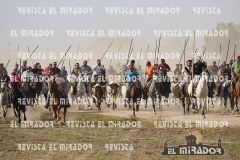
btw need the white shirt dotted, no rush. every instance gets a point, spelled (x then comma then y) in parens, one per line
(134, 67)
(58, 79)
(186, 74)
(97, 69)
(27, 75)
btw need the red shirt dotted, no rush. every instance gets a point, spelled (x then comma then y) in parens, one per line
(47, 69)
(161, 66)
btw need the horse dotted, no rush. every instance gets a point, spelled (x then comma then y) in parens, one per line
(163, 85)
(185, 97)
(29, 93)
(153, 90)
(201, 92)
(3, 98)
(112, 94)
(56, 100)
(38, 87)
(16, 99)
(80, 90)
(235, 94)
(135, 96)
(123, 93)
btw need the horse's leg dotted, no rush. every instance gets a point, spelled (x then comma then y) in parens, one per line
(5, 110)
(58, 112)
(133, 110)
(146, 103)
(19, 115)
(188, 104)
(24, 111)
(203, 109)
(183, 102)
(236, 101)
(64, 114)
(153, 104)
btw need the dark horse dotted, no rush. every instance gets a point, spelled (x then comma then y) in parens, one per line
(28, 86)
(16, 98)
(39, 88)
(135, 96)
(56, 100)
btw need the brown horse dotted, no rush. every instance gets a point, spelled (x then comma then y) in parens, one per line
(186, 98)
(56, 100)
(135, 96)
(235, 94)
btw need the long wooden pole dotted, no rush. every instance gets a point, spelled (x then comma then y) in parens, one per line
(129, 52)
(17, 55)
(31, 55)
(183, 50)
(227, 50)
(32, 52)
(146, 66)
(220, 55)
(76, 55)
(155, 52)
(107, 49)
(140, 56)
(64, 56)
(233, 56)
(158, 47)
(118, 53)
(193, 60)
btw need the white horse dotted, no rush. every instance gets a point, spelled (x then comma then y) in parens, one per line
(81, 95)
(201, 93)
(3, 98)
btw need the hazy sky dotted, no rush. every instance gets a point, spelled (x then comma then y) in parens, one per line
(11, 19)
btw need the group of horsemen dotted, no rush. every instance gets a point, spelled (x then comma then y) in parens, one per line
(127, 72)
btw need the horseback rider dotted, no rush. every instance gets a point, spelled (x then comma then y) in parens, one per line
(88, 70)
(198, 68)
(132, 63)
(17, 70)
(28, 76)
(24, 66)
(76, 71)
(221, 80)
(186, 74)
(5, 78)
(149, 72)
(227, 72)
(235, 71)
(15, 78)
(163, 68)
(210, 82)
(54, 69)
(129, 76)
(2, 68)
(97, 69)
(60, 81)
(122, 71)
(177, 71)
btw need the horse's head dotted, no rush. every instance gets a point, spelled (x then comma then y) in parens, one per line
(3, 87)
(136, 84)
(52, 85)
(205, 75)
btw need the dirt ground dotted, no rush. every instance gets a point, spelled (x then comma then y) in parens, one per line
(145, 139)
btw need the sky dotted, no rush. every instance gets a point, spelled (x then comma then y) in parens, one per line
(11, 19)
